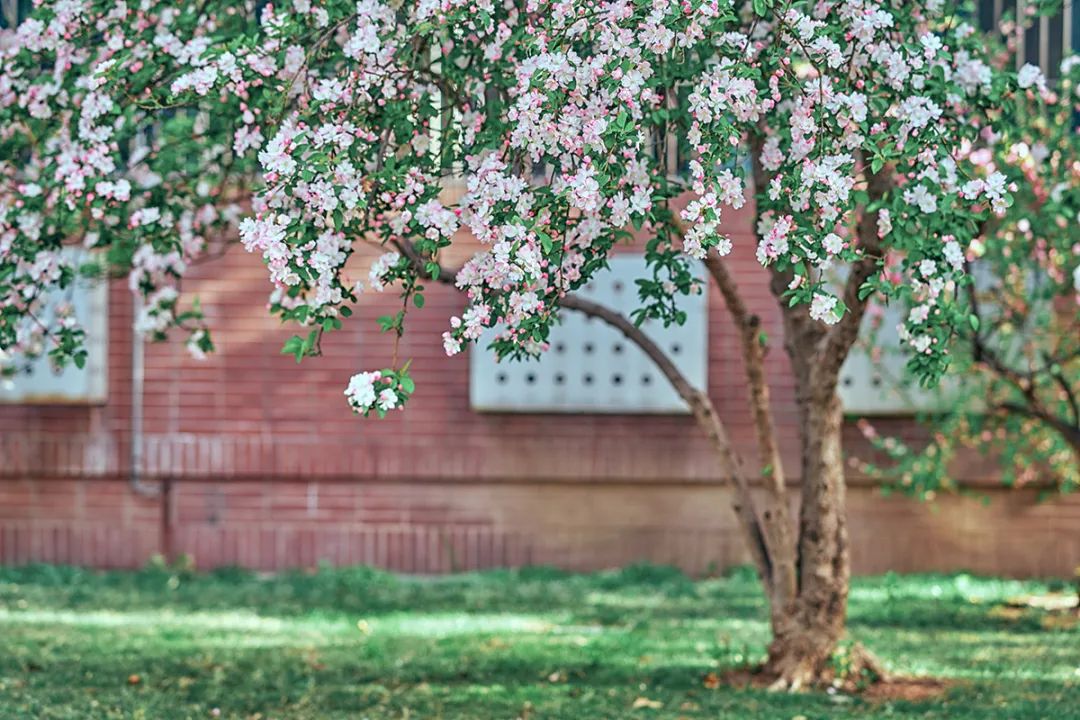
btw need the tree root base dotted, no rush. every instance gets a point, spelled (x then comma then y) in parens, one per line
(912, 689)
(850, 669)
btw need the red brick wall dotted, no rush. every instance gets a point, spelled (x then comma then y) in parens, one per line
(442, 526)
(270, 469)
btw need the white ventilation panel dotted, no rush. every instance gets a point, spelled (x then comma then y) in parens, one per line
(869, 387)
(42, 386)
(591, 367)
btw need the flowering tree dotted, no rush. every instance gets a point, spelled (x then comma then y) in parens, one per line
(1014, 387)
(147, 131)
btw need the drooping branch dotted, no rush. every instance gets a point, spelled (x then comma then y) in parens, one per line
(775, 516)
(704, 411)
(633, 333)
(767, 539)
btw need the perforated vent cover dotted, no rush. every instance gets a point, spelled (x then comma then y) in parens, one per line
(591, 367)
(877, 388)
(42, 386)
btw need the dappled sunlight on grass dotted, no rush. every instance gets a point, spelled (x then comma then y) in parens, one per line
(360, 643)
(937, 587)
(1028, 655)
(237, 621)
(448, 624)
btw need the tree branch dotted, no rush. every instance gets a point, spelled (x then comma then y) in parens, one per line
(802, 334)
(1070, 432)
(749, 327)
(775, 517)
(705, 413)
(777, 525)
(419, 262)
(1070, 396)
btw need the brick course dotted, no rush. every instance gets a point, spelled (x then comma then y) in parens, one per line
(269, 469)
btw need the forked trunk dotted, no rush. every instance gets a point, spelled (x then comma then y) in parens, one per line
(805, 577)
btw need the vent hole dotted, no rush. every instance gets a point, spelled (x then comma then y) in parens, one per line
(530, 378)
(676, 349)
(588, 348)
(617, 349)
(849, 381)
(560, 378)
(616, 379)
(646, 379)
(588, 379)
(501, 378)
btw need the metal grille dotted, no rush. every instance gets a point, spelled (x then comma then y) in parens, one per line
(1047, 39)
(591, 367)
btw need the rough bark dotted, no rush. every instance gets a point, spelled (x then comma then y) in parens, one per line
(782, 583)
(804, 641)
(806, 583)
(805, 638)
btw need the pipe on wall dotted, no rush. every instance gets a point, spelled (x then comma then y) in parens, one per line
(138, 380)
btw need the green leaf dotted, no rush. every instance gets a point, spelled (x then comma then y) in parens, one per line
(418, 300)
(294, 346)
(973, 320)
(407, 384)
(761, 7)
(291, 345)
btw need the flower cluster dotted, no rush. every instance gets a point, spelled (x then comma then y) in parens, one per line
(380, 391)
(1017, 361)
(149, 131)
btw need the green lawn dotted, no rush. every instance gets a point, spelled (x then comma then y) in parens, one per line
(535, 643)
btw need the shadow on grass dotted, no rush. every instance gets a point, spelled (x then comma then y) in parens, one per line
(337, 642)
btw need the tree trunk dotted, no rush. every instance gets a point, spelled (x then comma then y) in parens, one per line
(805, 637)
(805, 578)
